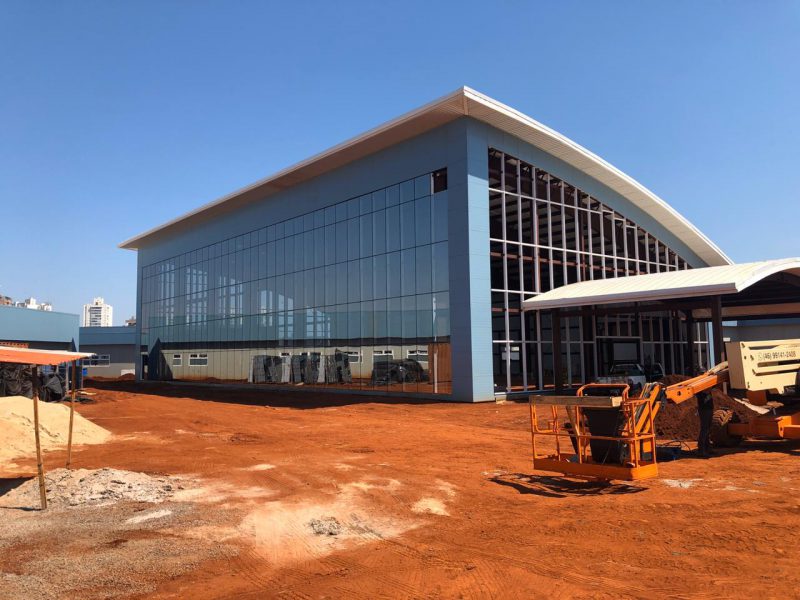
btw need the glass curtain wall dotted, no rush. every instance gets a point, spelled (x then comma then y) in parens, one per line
(545, 233)
(354, 295)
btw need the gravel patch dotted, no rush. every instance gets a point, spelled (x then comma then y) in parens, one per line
(80, 487)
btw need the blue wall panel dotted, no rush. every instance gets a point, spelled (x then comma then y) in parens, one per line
(24, 324)
(98, 336)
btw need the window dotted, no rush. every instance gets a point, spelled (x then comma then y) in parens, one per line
(198, 360)
(439, 180)
(177, 360)
(355, 357)
(418, 354)
(382, 355)
(98, 360)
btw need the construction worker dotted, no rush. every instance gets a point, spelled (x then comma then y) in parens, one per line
(705, 410)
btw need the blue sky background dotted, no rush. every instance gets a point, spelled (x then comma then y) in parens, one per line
(115, 117)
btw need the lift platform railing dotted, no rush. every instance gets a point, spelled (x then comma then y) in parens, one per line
(605, 437)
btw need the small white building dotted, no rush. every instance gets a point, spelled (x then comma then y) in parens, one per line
(97, 314)
(32, 304)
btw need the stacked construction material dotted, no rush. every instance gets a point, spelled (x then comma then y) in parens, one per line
(15, 380)
(301, 368)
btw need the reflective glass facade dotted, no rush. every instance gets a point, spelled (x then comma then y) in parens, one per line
(545, 233)
(355, 295)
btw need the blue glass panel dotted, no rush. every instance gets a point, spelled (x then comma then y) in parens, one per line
(407, 225)
(407, 190)
(341, 212)
(280, 263)
(440, 261)
(365, 236)
(379, 232)
(394, 317)
(341, 283)
(353, 239)
(365, 204)
(353, 281)
(309, 249)
(379, 199)
(425, 316)
(341, 241)
(407, 271)
(392, 195)
(422, 217)
(330, 244)
(353, 208)
(381, 324)
(379, 276)
(319, 247)
(366, 279)
(439, 225)
(330, 285)
(392, 229)
(330, 215)
(423, 269)
(393, 274)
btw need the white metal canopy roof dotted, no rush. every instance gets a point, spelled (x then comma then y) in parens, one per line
(463, 102)
(706, 281)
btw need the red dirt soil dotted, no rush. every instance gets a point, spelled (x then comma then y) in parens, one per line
(707, 528)
(127, 377)
(681, 421)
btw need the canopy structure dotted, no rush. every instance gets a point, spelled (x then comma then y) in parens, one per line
(769, 288)
(658, 287)
(31, 356)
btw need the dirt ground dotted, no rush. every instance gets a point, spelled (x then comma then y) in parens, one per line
(334, 496)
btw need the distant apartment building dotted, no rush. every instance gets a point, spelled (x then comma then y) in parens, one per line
(131, 322)
(32, 304)
(6, 301)
(97, 314)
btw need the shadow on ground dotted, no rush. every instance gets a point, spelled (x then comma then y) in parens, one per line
(790, 447)
(562, 487)
(8, 484)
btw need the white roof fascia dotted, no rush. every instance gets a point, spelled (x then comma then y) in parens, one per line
(465, 102)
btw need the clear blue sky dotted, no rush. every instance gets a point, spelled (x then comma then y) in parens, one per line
(115, 117)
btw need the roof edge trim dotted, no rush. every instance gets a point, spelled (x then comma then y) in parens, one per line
(450, 107)
(129, 243)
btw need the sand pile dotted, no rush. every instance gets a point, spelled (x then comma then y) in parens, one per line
(67, 487)
(681, 421)
(16, 428)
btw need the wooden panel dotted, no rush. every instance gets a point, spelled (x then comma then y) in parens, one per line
(440, 365)
(592, 401)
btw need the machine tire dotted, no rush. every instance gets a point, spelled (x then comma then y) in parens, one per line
(719, 429)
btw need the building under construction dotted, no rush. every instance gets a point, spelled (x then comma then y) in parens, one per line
(399, 260)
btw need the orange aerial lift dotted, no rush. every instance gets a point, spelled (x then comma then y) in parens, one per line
(606, 432)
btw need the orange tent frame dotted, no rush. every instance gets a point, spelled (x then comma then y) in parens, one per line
(37, 358)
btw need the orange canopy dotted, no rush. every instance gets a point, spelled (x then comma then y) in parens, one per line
(31, 356)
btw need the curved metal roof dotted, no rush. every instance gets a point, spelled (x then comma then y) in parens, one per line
(705, 281)
(462, 102)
